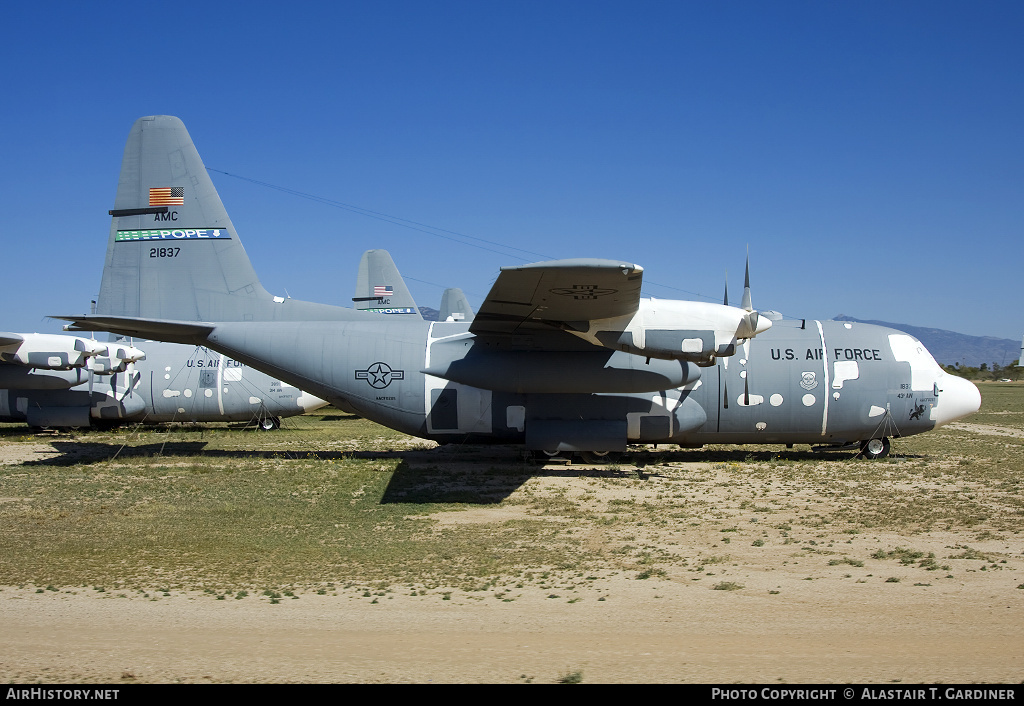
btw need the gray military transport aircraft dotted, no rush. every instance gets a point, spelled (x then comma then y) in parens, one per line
(49, 380)
(562, 356)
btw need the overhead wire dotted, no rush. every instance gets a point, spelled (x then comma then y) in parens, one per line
(426, 229)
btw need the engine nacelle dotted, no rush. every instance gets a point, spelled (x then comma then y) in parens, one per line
(48, 351)
(679, 330)
(18, 377)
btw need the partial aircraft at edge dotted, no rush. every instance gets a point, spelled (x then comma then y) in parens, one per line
(51, 380)
(562, 356)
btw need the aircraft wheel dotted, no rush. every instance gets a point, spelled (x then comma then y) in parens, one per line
(544, 456)
(599, 457)
(875, 448)
(269, 423)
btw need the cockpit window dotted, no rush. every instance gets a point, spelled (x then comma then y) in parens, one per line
(923, 367)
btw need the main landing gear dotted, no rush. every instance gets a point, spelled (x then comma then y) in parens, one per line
(591, 457)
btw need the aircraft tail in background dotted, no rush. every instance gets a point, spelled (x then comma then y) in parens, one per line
(455, 306)
(380, 287)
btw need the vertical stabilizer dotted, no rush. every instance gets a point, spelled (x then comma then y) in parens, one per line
(173, 252)
(455, 306)
(380, 287)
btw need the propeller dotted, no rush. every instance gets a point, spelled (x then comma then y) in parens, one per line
(753, 323)
(92, 374)
(749, 326)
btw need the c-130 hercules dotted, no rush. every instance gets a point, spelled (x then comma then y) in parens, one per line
(562, 356)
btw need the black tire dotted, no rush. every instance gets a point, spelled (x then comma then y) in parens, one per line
(875, 448)
(546, 456)
(600, 457)
(269, 423)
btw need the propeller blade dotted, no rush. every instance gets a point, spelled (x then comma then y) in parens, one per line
(753, 323)
(747, 305)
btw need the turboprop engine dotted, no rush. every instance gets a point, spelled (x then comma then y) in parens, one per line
(48, 351)
(672, 329)
(43, 361)
(682, 330)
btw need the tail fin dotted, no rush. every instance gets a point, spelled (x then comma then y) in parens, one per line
(381, 289)
(173, 252)
(455, 306)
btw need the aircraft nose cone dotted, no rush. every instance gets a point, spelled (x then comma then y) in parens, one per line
(958, 398)
(308, 402)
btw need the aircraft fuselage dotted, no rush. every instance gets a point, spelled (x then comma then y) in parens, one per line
(813, 382)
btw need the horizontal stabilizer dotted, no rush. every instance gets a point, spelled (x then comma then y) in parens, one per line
(8, 339)
(157, 329)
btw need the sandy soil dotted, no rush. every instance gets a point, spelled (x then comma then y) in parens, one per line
(796, 619)
(643, 632)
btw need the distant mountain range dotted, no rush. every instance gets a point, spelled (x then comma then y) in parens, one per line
(949, 347)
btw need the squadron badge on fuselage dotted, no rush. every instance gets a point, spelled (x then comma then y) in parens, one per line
(808, 380)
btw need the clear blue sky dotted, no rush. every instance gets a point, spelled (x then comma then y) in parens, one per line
(870, 154)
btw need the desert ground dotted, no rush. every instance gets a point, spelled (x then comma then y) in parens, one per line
(334, 550)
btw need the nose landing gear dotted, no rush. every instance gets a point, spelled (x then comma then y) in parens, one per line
(269, 423)
(874, 448)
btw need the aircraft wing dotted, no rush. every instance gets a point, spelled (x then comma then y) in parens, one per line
(560, 294)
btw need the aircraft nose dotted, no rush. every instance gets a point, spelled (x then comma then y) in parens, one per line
(958, 398)
(309, 402)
